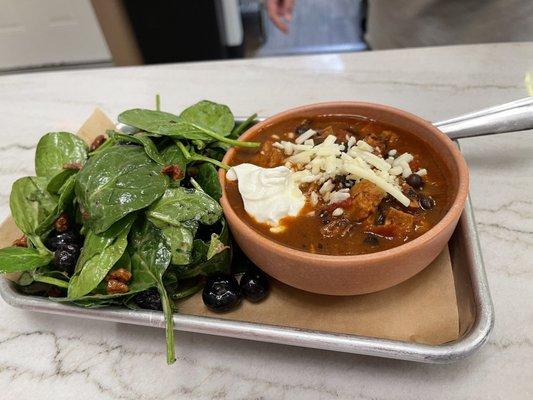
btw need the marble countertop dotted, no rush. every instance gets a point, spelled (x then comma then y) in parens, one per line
(50, 357)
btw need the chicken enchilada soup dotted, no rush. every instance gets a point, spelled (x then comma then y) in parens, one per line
(338, 185)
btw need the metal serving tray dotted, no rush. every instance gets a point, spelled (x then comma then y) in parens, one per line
(476, 314)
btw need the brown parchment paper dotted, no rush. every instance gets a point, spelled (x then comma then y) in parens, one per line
(423, 309)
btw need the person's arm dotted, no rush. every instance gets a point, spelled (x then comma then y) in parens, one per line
(280, 13)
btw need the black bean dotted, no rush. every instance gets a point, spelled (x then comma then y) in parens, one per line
(371, 239)
(343, 182)
(426, 202)
(325, 217)
(303, 127)
(415, 181)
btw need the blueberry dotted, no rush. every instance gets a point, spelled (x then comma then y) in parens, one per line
(56, 240)
(221, 293)
(254, 285)
(65, 258)
(415, 181)
(149, 299)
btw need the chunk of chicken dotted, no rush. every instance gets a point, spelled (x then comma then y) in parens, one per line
(383, 140)
(402, 220)
(366, 197)
(269, 156)
(397, 224)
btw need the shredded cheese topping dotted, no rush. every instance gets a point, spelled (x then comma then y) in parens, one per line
(356, 160)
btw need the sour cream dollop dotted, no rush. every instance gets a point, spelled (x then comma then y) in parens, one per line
(268, 194)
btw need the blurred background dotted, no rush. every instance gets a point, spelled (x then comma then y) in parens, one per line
(61, 34)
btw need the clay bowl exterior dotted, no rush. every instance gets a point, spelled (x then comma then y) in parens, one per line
(357, 274)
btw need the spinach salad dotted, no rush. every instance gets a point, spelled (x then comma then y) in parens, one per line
(132, 220)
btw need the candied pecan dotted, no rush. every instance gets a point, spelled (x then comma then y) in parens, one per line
(114, 287)
(120, 274)
(75, 165)
(97, 142)
(173, 170)
(54, 291)
(61, 224)
(21, 242)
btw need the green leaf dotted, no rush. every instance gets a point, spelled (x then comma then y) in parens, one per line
(148, 120)
(180, 204)
(172, 155)
(208, 259)
(116, 182)
(137, 284)
(210, 116)
(66, 196)
(140, 138)
(166, 124)
(55, 149)
(59, 180)
(30, 203)
(100, 252)
(208, 179)
(150, 257)
(216, 246)
(15, 259)
(180, 240)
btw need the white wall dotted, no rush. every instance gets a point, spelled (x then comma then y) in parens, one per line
(48, 32)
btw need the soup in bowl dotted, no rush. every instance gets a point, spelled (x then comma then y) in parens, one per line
(344, 198)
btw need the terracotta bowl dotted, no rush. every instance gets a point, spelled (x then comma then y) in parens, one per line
(358, 274)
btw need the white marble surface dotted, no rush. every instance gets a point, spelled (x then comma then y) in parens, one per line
(49, 357)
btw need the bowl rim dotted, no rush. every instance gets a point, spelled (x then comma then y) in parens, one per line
(451, 216)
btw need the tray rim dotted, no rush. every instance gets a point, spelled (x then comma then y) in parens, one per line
(355, 344)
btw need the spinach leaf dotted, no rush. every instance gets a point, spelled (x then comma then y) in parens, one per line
(59, 179)
(208, 259)
(220, 263)
(55, 149)
(31, 204)
(172, 155)
(15, 259)
(116, 182)
(66, 196)
(208, 179)
(140, 138)
(50, 280)
(100, 252)
(150, 257)
(180, 239)
(216, 246)
(166, 124)
(210, 116)
(44, 274)
(181, 204)
(148, 120)
(137, 284)
(191, 156)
